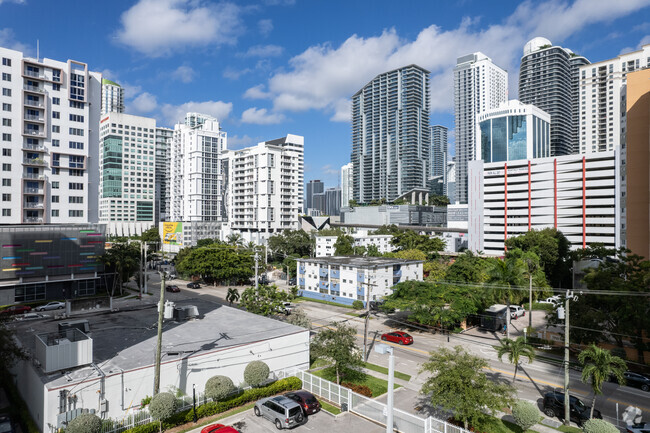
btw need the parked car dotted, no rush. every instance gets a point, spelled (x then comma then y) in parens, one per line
(642, 427)
(292, 281)
(193, 286)
(380, 306)
(173, 288)
(306, 400)
(280, 410)
(16, 309)
(172, 276)
(54, 305)
(287, 308)
(398, 337)
(554, 407)
(6, 425)
(516, 312)
(552, 300)
(218, 428)
(636, 380)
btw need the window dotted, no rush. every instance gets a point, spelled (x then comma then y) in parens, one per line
(6, 152)
(6, 122)
(6, 167)
(76, 161)
(56, 128)
(6, 77)
(55, 199)
(76, 118)
(55, 142)
(73, 172)
(56, 115)
(76, 104)
(76, 145)
(75, 199)
(77, 131)
(56, 170)
(75, 186)
(75, 213)
(55, 185)
(6, 182)
(56, 101)
(6, 107)
(6, 197)
(6, 137)
(6, 61)
(6, 212)
(56, 87)
(55, 212)
(6, 92)
(32, 292)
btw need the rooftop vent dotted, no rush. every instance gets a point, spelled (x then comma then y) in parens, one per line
(185, 312)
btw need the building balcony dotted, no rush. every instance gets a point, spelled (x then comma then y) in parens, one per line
(38, 104)
(33, 89)
(34, 74)
(335, 274)
(37, 191)
(33, 220)
(33, 133)
(397, 273)
(301, 282)
(322, 272)
(34, 161)
(322, 285)
(361, 277)
(301, 269)
(36, 176)
(33, 205)
(34, 147)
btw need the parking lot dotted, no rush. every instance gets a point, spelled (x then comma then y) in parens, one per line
(247, 422)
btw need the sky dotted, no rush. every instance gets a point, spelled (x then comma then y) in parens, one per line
(267, 68)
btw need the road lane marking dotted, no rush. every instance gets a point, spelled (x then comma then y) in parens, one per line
(645, 409)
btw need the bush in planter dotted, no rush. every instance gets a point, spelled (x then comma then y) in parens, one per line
(357, 304)
(359, 389)
(85, 423)
(256, 373)
(219, 387)
(598, 426)
(525, 414)
(162, 406)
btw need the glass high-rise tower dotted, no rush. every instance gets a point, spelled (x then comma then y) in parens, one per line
(391, 141)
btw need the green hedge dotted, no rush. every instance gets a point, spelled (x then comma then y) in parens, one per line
(214, 408)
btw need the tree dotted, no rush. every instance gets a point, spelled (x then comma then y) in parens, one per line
(438, 200)
(206, 242)
(218, 263)
(219, 387)
(266, 300)
(85, 423)
(352, 203)
(232, 295)
(525, 414)
(151, 236)
(413, 254)
(373, 251)
(387, 230)
(504, 274)
(256, 373)
(162, 406)
(11, 352)
(598, 365)
(359, 251)
(468, 268)
(291, 242)
(298, 317)
(357, 304)
(434, 271)
(515, 349)
(410, 240)
(123, 259)
(337, 344)
(344, 245)
(235, 239)
(458, 384)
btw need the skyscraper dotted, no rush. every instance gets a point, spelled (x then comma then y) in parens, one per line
(391, 135)
(164, 138)
(333, 201)
(479, 85)
(346, 184)
(112, 97)
(438, 150)
(576, 62)
(546, 80)
(313, 187)
(50, 113)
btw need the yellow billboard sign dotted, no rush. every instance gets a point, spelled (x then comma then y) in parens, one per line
(173, 233)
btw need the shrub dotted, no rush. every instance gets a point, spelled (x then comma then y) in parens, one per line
(298, 317)
(256, 373)
(162, 406)
(525, 414)
(219, 387)
(357, 304)
(145, 401)
(85, 423)
(598, 426)
(359, 389)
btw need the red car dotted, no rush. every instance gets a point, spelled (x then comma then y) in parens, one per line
(307, 400)
(16, 309)
(398, 337)
(218, 428)
(173, 289)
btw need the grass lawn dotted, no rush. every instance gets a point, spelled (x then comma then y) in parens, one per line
(319, 362)
(384, 370)
(329, 407)
(376, 385)
(538, 306)
(569, 429)
(496, 425)
(320, 301)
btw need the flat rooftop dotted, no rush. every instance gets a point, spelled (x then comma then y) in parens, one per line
(126, 340)
(359, 261)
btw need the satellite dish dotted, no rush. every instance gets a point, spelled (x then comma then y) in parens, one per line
(632, 415)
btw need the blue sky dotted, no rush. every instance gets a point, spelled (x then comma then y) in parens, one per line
(266, 68)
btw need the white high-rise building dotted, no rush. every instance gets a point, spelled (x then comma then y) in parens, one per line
(164, 137)
(127, 173)
(197, 183)
(479, 85)
(112, 97)
(265, 187)
(346, 184)
(602, 94)
(50, 112)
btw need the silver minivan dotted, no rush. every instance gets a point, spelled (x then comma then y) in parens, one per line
(282, 411)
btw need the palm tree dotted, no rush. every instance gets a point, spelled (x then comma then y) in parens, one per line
(598, 365)
(507, 273)
(235, 239)
(232, 296)
(515, 349)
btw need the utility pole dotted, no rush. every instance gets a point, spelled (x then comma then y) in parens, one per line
(530, 299)
(367, 321)
(567, 406)
(146, 290)
(257, 257)
(161, 313)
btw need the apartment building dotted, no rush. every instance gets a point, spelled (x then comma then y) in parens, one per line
(346, 184)
(325, 244)
(479, 85)
(576, 194)
(314, 186)
(391, 141)
(164, 137)
(602, 100)
(127, 182)
(347, 279)
(50, 112)
(112, 97)
(265, 187)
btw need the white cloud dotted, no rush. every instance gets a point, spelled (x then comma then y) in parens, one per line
(20, 2)
(8, 40)
(330, 171)
(324, 77)
(144, 103)
(184, 73)
(159, 27)
(234, 74)
(264, 51)
(265, 27)
(173, 114)
(257, 92)
(261, 116)
(644, 41)
(279, 2)
(237, 142)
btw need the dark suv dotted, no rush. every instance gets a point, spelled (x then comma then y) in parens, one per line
(554, 407)
(281, 411)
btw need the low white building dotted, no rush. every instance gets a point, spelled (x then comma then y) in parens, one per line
(325, 244)
(347, 279)
(577, 194)
(110, 369)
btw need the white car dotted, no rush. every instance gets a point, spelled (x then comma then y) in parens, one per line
(516, 311)
(552, 300)
(51, 306)
(287, 308)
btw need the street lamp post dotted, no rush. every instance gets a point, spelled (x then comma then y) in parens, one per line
(384, 349)
(525, 330)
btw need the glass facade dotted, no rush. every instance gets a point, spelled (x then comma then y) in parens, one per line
(516, 137)
(506, 138)
(112, 181)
